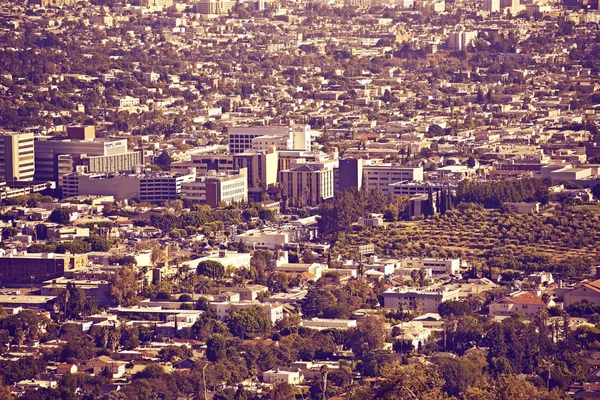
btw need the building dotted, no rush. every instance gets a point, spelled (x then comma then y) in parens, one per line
(153, 187)
(459, 38)
(64, 368)
(326, 323)
(450, 266)
(261, 166)
(407, 188)
(17, 156)
(586, 293)
(225, 257)
(214, 6)
(525, 208)
(80, 132)
(215, 188)
(512, 6)
(349, 174)
(60, 156)
(491, 6)
(36, 268)
(308, 183)
(427, 299)
(296, 137)
(291, 376)
(14, 303)
(102, 363)
(224, 309)
(95, 288)
(382, 176)
(314, 270)
(523, 302)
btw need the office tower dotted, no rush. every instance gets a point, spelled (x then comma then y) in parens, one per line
(16, 156)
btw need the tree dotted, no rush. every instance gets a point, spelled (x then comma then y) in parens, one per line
(98, 243)
(9, 232)
(164, 161)
(216, 346)
(454, 307)
(596, 191)
(317, 300)
(249, 322)
(368, 336)
(60, 216)
(282, 391)
(123, 287)
(435, 130)
(211, 268)
(471, 162)
(41, 232)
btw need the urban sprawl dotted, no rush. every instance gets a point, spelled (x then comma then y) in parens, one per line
(292, 199)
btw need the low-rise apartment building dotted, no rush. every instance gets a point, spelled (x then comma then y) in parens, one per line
(427, 299)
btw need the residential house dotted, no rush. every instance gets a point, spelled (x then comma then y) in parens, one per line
(293, 376)
(525, 302)
(99, 364)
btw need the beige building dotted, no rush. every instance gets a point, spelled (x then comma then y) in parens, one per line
(36, 268)
(524, 302)
(427, 299)
(59, 156)
(17, 156)
(383, 176)
(586, 293)
(262, 169)
(308, 183)
(215, 188)
(151, 187)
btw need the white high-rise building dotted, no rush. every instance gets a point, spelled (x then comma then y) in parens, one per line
(491, 6)
(16, 156)
(295, 137)
(460, 38)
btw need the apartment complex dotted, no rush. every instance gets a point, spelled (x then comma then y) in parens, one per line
(427, 299)
(17, 156)
(150, 187)
(460, 38)
(36, 268)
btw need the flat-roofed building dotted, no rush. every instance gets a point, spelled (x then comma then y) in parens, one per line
(309, 183)
(215, 188)
(449, 266)
(60, 156)
(36, 268)
(382, 176)
(427, 299)
(154, 187)
(17, 156)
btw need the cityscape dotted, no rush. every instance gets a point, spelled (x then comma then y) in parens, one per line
(293, 199)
